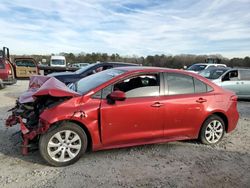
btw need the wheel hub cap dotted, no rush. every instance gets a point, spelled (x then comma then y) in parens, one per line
(64, 146)
(214, 131)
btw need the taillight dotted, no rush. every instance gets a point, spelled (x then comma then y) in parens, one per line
(233, 98)
(10, 72)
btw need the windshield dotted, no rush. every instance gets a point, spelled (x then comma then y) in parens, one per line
(213, 73)
(90, 82)
(57, 62)
(197, 67)
(81, 70)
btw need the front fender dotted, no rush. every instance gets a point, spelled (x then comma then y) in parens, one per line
(85, 114)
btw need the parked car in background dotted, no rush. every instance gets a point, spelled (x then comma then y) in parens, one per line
(198, 67)
(121, 107)
(79, 65)
(213, 72)
(58, 61)
(237, 80)
(71, 77)
(7, 75)
(25, 67)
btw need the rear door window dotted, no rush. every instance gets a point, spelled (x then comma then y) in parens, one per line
(176, 84)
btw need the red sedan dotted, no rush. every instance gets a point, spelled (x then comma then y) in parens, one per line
(123, 107)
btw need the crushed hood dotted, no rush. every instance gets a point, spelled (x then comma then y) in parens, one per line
(45, 85)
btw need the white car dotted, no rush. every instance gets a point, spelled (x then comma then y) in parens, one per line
(237, 80)
(198, 67)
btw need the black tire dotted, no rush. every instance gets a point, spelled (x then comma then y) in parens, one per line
(206, 132)
(50, 136)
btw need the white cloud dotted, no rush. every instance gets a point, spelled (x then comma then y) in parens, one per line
(126, 27)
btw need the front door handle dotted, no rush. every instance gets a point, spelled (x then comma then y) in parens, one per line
(201, 100)
(157, 104)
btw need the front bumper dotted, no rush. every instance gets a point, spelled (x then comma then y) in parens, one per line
(28, 134)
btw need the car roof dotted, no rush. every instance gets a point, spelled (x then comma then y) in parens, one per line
(153, 69)
(214, 64)
(217, 68)
(120, 63)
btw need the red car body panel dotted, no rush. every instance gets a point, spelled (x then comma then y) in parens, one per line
(135, 121)
(120, 125)
(7, 72)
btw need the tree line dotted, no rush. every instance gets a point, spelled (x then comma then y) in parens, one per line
(170, 61)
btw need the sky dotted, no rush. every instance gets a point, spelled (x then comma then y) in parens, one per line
(126, 27)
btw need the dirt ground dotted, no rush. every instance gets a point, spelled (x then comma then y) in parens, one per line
(176, 164)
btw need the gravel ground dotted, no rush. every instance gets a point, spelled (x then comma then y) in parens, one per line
(175, 164)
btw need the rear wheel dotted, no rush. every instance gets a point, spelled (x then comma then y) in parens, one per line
(63, 145)
(212, 131)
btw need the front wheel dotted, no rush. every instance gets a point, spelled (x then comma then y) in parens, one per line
(212, 131)
(63, 145)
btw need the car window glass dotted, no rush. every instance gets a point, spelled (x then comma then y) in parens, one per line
(209, 88)
(25, 63)
(90, 82)
(106, 91)
(1, 53)
(196, 67)
(140, 86)
(212, 66)
(179, 84)
(199, 86)
(231, 76)
(1, 65)
(244, 74)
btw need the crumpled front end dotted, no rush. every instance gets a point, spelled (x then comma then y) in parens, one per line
(43, 93)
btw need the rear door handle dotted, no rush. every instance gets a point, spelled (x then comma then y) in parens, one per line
(201, 100)
(157, 104)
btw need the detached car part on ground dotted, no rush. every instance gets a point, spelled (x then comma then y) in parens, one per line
(121, 107)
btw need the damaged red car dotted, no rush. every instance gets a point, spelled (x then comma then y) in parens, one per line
(121, 107)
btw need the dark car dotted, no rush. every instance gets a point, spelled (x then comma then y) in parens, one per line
(123, 107)
(72, 77)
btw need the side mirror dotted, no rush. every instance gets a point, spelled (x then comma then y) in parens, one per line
(116, 96)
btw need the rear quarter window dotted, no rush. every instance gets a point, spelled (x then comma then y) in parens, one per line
(201, 87)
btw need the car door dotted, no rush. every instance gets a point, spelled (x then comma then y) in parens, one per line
(25, 68)
(185, 102)
(136, 119)
(231, 81)
(244, 83)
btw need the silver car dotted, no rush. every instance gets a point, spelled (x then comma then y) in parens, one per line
(237, 80)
